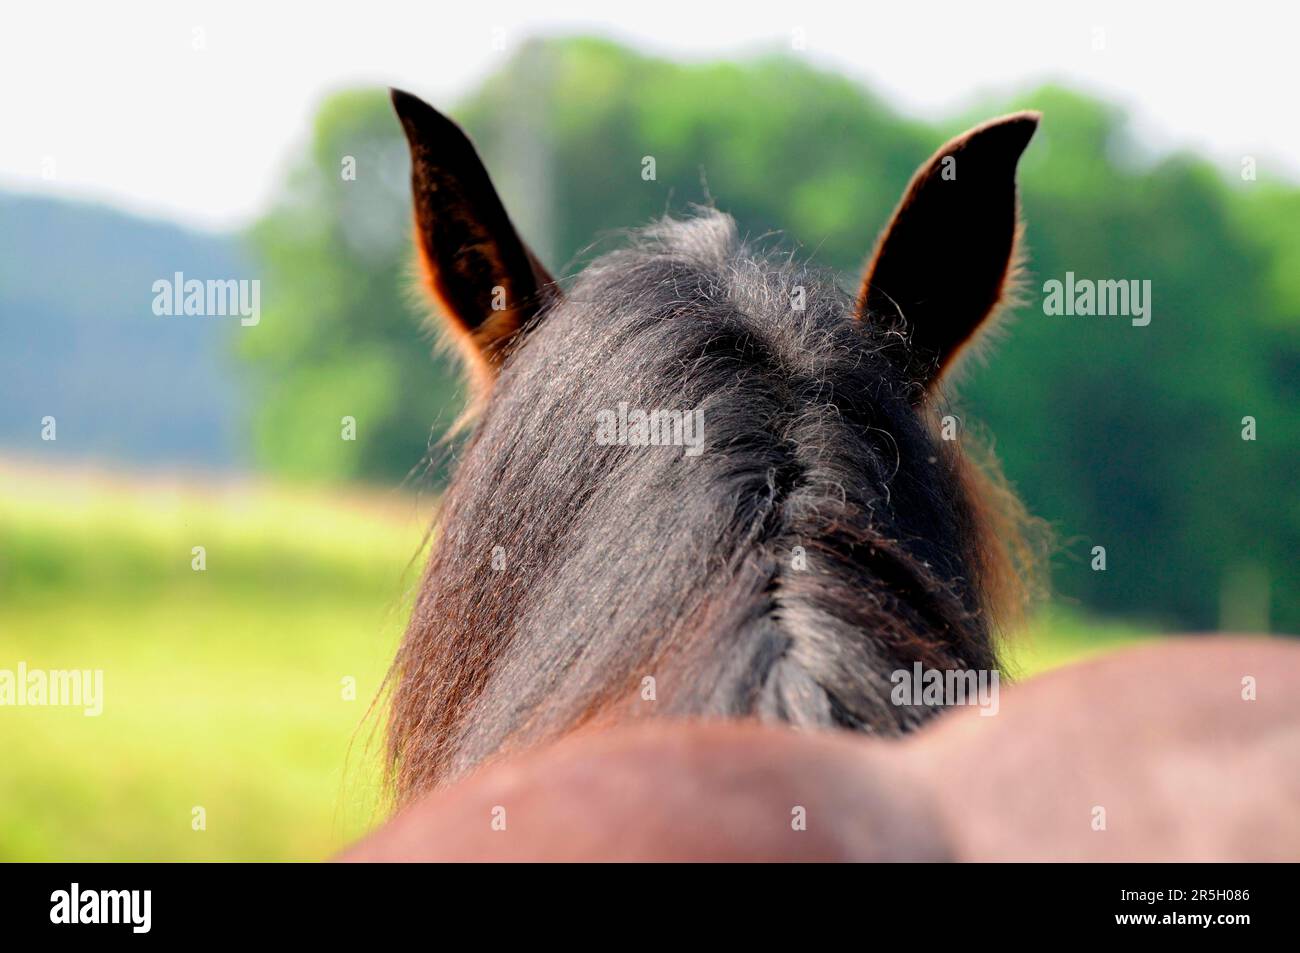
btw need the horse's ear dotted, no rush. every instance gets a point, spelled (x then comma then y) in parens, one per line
(473, 262)
(941, 265)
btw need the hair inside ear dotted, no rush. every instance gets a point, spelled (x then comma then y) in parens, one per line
(485, 280)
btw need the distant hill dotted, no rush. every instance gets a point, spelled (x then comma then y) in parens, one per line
(79, 340)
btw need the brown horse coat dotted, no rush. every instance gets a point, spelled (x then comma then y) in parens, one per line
(1159, 738)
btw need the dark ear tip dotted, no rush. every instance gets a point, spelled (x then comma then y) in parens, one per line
(406, 104)
(409, 106)
(1014, 125)
(1017, 127)
(1031, 116)
(424, 124)
(1005, 136)
(1026, 123)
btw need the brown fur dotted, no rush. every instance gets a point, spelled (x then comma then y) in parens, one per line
(622, 563)
(1160, 737)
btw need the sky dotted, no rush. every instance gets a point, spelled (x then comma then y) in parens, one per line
(191, 111)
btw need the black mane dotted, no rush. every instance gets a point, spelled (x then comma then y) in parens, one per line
(620, 563)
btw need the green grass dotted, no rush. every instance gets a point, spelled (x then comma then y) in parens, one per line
(223, 688)
(1056, 637)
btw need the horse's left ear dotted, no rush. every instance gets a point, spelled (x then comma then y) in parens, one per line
(475, 265)
(941, 265)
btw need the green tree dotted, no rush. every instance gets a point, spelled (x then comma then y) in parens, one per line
(1122, 437)
(341, 333)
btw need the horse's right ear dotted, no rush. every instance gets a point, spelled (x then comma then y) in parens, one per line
(473, 262)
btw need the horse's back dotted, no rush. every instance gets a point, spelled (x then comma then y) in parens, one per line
(1184, 749)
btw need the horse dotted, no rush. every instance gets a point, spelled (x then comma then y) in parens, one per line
(707, 496)
(1150, 753)
(822, 537)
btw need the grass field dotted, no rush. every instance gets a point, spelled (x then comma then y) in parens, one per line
(224, 689)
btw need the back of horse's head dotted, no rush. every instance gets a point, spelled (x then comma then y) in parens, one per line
(702, 479)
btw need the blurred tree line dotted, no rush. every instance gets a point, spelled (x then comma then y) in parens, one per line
(1124, 437)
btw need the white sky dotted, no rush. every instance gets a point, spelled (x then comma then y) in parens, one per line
(133, 115)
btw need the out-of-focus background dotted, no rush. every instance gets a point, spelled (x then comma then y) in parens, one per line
(245, 689)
